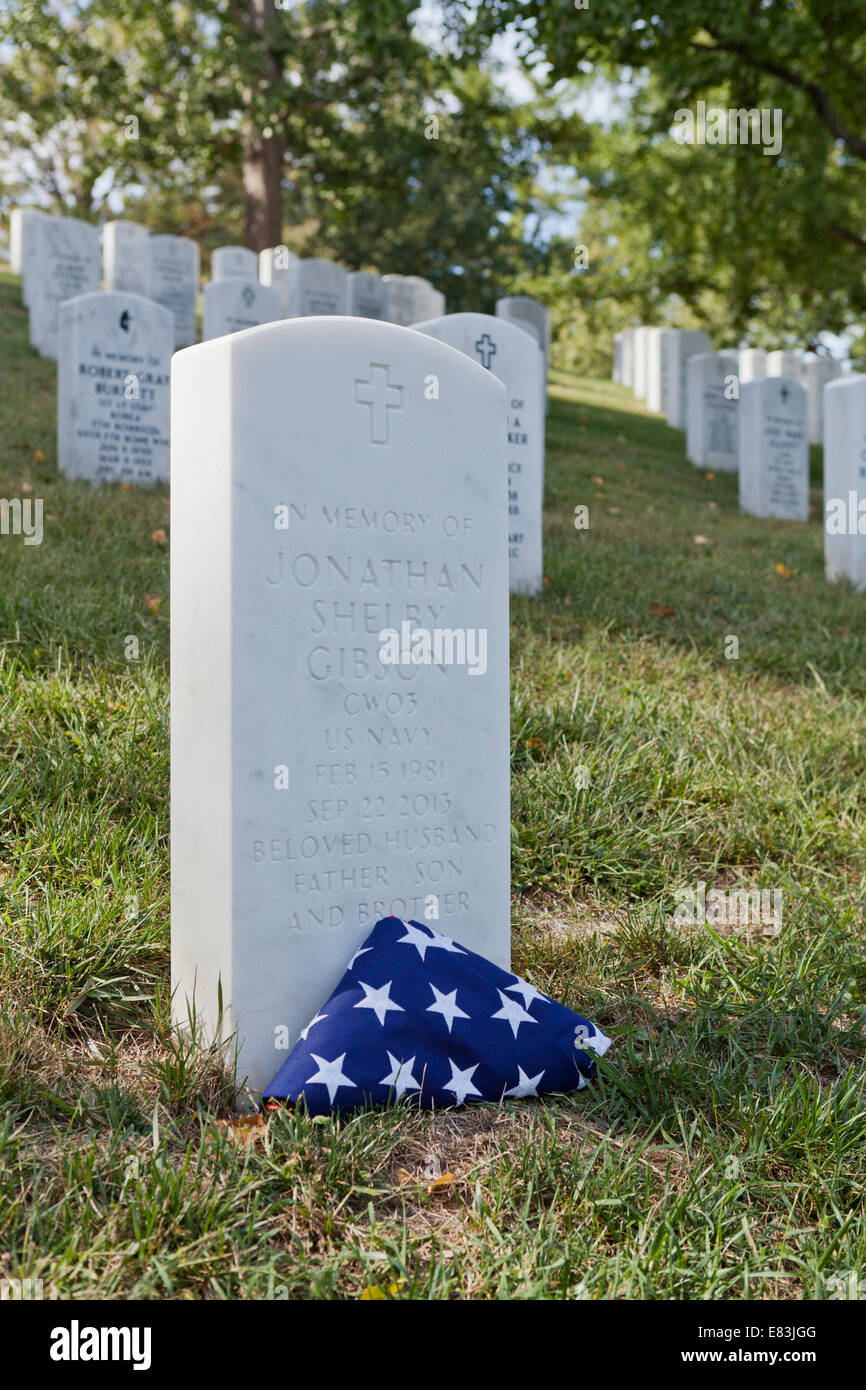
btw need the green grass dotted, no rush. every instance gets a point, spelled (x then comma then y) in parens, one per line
(720, 1154)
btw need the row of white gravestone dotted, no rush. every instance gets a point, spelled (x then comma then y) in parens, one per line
(113, 395)
(59, 257)
(757, 412)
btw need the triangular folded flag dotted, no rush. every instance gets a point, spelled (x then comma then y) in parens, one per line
(419, 1016)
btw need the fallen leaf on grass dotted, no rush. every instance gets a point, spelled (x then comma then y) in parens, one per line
(614, 511)
(596, 479)
(783, 570)
(710, 476)
(38, 456)
(244, 1130)
(26, 487)
(701, 540)
(440, 1185)
(663, 610)
(152, 601)
(159, 536)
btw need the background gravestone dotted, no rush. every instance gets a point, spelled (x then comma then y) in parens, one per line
(125, 257)
(367, 296)
(628, 357)
(752, 364)
(64, 263)
(657, 346)
(316, 287)
(816, 373)
(234, 262)
(845, 479)
(532, 315)
(513, 356)
(174, 276)
(773, 449)
(711, 414)
(640, 362)
(274, 264)
(113, 388)
(314, 789)
(402, 300)
(678, 348)
(233, 304)
(20, 219)
(616, 370)
(785, 364)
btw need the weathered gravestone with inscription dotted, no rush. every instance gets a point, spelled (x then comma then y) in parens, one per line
(339, 664)
(678, 347)
(845, 479)
(816, 373)
(316, 287)
(125, 257)
(234, 263)
(234, 304)
(773, 449)
(174, 274)
(274, 265)
(368, 297)
(513, 356)
(711, 410)
(114, 371)
(64, 263)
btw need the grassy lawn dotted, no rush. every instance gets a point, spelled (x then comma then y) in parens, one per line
(721, 1153)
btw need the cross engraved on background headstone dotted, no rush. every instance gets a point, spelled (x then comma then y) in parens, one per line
(381, 396)
(784, 393)
(486, 349)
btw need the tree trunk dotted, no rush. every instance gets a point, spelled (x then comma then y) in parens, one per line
(263, 187)
(263, 154)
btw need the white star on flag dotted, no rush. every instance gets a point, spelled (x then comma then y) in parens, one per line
(526, 1085)
(361, 951)
(330, 1074)
(529, 992)
(317, 1019)
(423, 940)
(461, 1082)
(446, 1005)
(513, 1012)
(378, 1000)
(400, 1076)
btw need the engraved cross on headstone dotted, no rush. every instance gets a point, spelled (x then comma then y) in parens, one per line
(486, 349)
(784, 393)
(381, 396)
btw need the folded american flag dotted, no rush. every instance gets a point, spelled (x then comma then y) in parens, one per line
(418, 1016)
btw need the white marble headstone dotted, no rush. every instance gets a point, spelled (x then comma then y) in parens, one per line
(627, 377)
(533, 316)
(20, 219)
(752, 364)
(321, 496)
(711, 410)
(782, 363)
(274, 265)
(174, 276)
(616, 369)
(125, 257)
(368, 297)
(316, 287)
(63, 264)
(845, 479)
(657, 341)
(234, 262)
(114, 369)
(773, 449)
(403, 305)
(816, 373)
(233, 304)
(640, 362)
(514, 357)
(678, 347)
